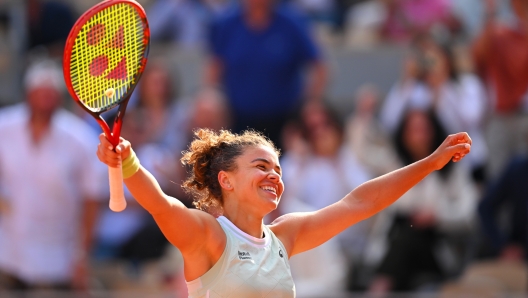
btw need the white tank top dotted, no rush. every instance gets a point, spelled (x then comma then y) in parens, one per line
(249, 267)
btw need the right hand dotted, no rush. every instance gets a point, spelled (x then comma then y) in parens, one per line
(454, 148)
(109, 156)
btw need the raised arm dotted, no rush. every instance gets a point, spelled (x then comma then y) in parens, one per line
(303, 231)
(185, 228)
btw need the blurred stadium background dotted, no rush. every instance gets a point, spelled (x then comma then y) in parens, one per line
(400, 73)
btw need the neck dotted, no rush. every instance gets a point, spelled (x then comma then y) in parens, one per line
(249, 224)
(258, 18)
(39, 125)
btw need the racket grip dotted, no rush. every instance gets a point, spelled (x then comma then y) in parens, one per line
(117, 193)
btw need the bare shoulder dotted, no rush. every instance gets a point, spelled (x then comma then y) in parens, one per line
(210, 227)
(190, 230)
(286, 228)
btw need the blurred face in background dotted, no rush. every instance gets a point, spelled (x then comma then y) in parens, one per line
(43, 83)
(367, 100)
(322, 132)
(210, 110)
(437, 72)
(258, 5)
(156, 87)
(418, 134)
(43, 100)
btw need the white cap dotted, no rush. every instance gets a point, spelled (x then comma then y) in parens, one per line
(44, 73)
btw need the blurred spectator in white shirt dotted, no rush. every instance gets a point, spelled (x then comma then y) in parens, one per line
(52, 185)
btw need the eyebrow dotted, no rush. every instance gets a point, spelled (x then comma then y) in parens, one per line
(277, 167)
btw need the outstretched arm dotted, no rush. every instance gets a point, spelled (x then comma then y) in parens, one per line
(303, 231)
(185, 228)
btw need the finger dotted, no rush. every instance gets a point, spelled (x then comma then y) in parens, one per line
(460, 149)
(107, 156)
(106, 148)
(105, 142)
(463, 137)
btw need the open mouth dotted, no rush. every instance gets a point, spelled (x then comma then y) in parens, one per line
(270, 189)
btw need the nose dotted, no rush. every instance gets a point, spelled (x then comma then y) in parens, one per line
(274, 176)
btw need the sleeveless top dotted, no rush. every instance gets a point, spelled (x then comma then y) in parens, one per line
(249, 267)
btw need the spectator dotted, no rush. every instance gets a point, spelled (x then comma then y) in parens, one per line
(316, 180)
(503, 64)
(418, 228)
(506, 198)
(259, 52)
(51, 186)
(456, 97)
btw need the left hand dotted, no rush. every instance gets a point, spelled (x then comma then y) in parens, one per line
(454, 148)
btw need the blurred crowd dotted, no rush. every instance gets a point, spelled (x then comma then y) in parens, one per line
(264, 65)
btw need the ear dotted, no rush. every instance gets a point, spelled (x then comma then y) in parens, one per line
(224, 180)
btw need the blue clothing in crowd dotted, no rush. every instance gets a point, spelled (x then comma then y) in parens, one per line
(509, 191)
(263, 69)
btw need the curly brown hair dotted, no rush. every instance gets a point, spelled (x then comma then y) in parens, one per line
(208, 154)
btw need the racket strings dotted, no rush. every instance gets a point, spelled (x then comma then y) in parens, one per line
(107, 54)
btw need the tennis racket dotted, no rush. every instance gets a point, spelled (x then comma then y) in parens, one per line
(104, 57)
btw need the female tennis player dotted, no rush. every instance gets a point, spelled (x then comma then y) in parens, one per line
(236, 181)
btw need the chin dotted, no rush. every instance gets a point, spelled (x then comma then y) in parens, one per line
(272, 205)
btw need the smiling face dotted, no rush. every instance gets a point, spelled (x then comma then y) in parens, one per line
(256, 184)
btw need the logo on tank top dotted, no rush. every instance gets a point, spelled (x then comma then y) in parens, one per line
(280, 253)
(244, 255)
